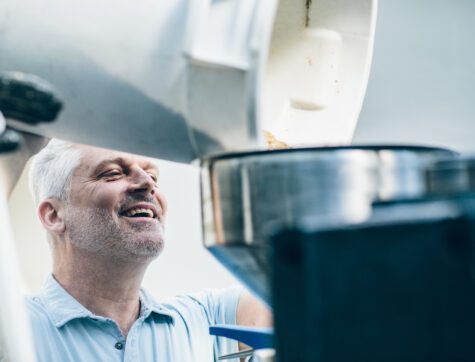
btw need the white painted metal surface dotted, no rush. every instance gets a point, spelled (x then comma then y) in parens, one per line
(317, 70)
(16, 343)
(181, 79)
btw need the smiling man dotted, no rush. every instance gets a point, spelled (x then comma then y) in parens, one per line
(104, 214)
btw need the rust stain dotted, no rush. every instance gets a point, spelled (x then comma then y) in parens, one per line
(310, 61)
(308, 5)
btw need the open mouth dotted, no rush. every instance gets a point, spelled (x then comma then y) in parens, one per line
(140, 212)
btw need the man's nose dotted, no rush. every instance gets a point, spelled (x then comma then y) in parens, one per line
(141, 181)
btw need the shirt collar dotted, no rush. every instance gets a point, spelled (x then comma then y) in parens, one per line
(62, 307)
(148, 305)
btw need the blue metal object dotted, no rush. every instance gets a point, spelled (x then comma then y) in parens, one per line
(255, 337)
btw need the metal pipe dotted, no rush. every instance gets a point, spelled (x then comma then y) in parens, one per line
(16, 342)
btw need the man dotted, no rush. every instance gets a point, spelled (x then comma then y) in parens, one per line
(104, 214)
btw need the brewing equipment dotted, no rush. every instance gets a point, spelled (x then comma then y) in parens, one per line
(246, 196)
(402, 289)
(397, 286)
(185, 80)
(180, 80)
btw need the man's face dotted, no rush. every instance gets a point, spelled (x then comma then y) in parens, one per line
(115, 207)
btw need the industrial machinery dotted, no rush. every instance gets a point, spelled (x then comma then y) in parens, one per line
(219, 81)
(246, 196)
(181, 80)
(399, 286)
(195, 77)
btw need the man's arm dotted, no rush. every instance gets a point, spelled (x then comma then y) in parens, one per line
(252, 312)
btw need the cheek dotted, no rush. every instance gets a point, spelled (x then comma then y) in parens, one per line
(106, 197)
(163, 203)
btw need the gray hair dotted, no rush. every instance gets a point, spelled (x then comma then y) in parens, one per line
(52, 169)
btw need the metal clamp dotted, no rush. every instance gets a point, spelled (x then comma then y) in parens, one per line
(9, 139)
(28, 99)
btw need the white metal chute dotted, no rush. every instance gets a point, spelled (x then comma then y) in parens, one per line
(317, 70)
(185, 79)
(16, 342)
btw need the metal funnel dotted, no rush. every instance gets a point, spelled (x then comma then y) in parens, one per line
(247, 196)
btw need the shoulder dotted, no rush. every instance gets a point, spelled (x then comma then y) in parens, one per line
(52, 343)
(37, 313)
(214, 306)
(43, 329)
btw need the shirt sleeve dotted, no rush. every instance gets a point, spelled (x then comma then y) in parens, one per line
(220, 307)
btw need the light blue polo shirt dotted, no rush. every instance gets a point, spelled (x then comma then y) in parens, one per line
(164, 332)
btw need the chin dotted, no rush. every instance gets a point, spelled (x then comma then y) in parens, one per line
(146, 247)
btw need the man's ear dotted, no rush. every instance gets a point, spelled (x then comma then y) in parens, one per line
(50, 212)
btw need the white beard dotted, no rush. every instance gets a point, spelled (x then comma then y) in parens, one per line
(95, 230)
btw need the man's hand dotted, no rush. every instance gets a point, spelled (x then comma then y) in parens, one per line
(12, 163)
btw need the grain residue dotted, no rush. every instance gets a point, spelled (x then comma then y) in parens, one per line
(273, 143)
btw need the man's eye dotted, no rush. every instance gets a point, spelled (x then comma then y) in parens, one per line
(153, 177)
(112, 173)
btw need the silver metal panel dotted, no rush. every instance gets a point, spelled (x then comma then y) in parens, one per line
(246, 197)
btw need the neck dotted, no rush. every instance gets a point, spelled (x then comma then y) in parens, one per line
(108, 288)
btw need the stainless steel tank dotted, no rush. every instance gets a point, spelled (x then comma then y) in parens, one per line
(246, 196)
(452, 176)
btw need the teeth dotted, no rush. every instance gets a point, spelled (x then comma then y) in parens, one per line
(133, 212)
